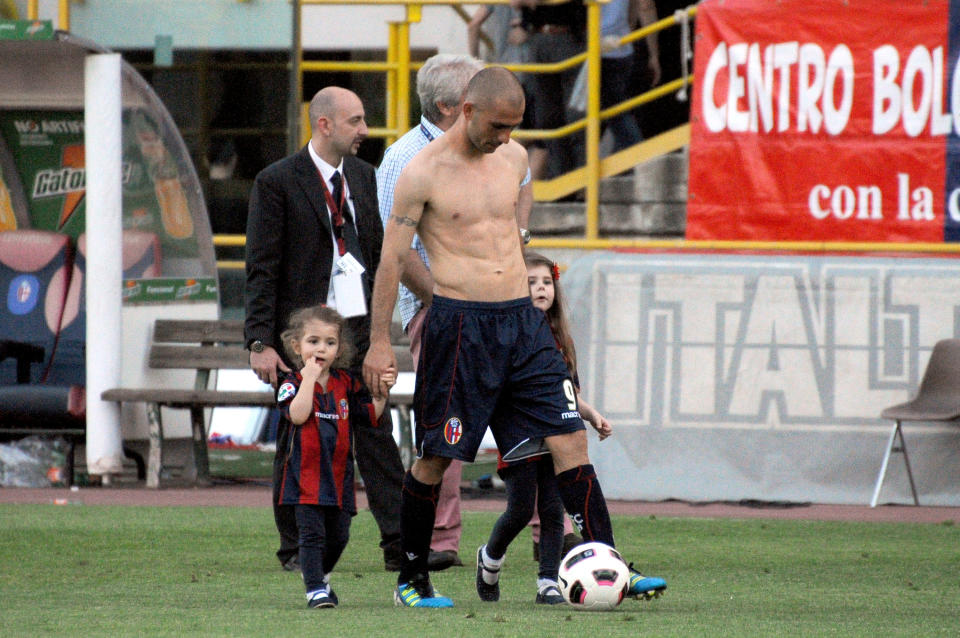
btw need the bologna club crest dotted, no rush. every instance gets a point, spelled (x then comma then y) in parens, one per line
(453, 430)
(23, 294)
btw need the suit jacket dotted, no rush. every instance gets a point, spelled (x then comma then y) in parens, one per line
(289, 245)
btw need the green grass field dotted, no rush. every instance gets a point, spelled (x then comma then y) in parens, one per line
(173, 571)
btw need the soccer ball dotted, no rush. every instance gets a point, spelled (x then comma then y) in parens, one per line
(594, 577)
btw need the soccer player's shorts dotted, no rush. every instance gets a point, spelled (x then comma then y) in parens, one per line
(490, 364)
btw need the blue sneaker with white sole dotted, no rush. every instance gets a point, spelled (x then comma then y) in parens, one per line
(418, 592)
(645, 587)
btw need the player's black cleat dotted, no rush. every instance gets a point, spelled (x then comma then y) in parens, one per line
(488, 593)
(549, 595)
(322, 599)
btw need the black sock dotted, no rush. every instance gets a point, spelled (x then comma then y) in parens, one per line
(583, 499)
(419, 510)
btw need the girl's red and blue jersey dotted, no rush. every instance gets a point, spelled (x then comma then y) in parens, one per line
(318, 467)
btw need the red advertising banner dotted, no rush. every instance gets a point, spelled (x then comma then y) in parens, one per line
(824, 120)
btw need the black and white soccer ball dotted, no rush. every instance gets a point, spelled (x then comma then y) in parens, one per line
(594, 577)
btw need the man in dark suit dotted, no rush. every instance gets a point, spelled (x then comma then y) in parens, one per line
(307, 211)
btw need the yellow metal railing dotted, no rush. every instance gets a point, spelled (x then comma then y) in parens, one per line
(398, 67)
(63, 13)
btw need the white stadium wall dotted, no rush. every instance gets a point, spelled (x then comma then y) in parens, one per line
(730, 377)
(264, 24)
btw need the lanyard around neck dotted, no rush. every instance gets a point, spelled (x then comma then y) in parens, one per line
(336, 210)
(426, 133)
(335, 207)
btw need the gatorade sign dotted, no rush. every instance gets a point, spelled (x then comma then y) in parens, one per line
(826, 121)
(49, 158)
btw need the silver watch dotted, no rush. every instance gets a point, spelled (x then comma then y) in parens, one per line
(525, 235)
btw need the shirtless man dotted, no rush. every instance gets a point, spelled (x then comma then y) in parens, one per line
(488, 355)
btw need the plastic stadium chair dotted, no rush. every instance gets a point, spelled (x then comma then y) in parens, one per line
(938, 399)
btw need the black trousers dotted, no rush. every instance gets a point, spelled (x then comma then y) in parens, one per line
(324, 532)
(378, 460)
(529, 485)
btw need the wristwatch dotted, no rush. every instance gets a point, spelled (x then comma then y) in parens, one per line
(257, 346)
(525, 235)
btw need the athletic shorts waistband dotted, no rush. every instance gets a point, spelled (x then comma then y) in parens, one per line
(511, 305)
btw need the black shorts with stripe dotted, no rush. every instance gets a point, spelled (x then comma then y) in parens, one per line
(490, 364)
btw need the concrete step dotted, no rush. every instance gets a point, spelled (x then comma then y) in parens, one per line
(652, 201)
(616, 219)
(662, 179)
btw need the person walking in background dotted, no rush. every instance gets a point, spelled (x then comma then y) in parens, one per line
(531, 484)
(617, 19)
(617, 75)
(556, 32)
(312, 225)
(440, 85)
(488, 356)
(320, 405)
(510, 46)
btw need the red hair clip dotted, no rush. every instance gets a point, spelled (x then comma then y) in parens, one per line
(555, 271)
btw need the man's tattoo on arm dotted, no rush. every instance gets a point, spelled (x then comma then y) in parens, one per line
(404, 221)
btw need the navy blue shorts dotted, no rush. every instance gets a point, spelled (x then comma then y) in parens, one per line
(490, 364)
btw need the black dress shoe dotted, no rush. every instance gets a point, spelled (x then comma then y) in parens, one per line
(392, 557)
(569, 542)
(292, 564)
(438, 561)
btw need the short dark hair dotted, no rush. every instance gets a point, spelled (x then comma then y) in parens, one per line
(494, 83)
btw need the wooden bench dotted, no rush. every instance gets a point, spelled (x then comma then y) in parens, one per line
(201, 345)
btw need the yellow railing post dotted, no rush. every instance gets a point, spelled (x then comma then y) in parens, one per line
(403, 66)
(393, 29)
(592, 160)
(403, 75)
(63, 13)
(63, 17)
(295, 115)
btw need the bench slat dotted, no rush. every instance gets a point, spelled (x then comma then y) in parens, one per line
(211, 345)
(198, 330)
(404, 358)
(201, 357)
(189, 398)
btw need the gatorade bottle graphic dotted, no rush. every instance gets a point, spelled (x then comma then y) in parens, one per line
(8, 221)
(162, 168)
(13, 204)
(174, 209)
